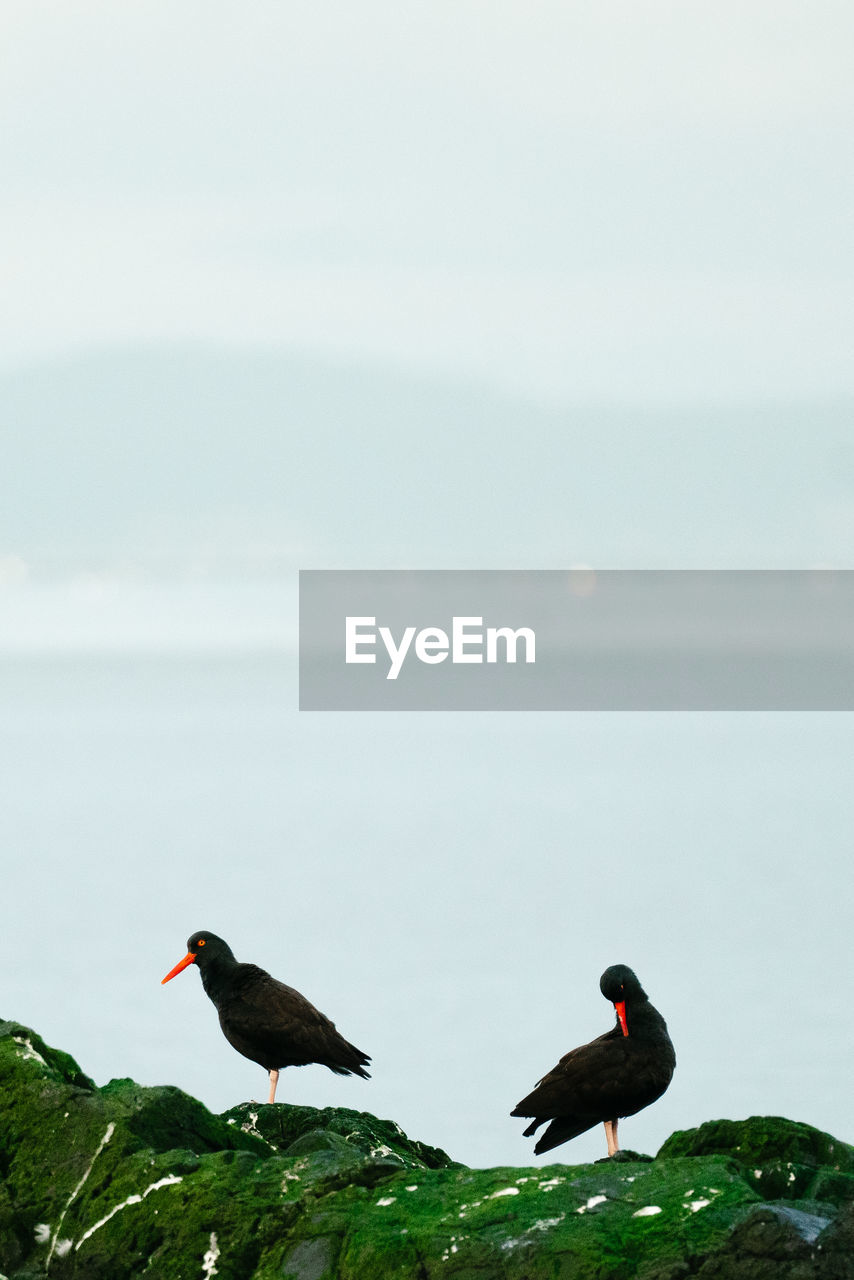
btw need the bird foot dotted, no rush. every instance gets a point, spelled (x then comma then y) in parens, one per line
(611, 1136)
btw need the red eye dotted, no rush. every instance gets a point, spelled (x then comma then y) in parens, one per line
(201, 942)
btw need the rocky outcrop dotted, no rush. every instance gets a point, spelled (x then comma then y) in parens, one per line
(123, 1181)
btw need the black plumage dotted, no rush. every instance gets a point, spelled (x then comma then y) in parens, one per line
(265, 1020)
(616, 1075)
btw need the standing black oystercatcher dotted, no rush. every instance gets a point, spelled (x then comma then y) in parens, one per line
(616, 1075)
(263, 1019)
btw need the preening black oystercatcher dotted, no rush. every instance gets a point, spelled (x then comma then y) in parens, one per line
(616, 1075)
(263, 1019)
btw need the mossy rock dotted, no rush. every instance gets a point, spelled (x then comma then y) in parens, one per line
(283, 1127)
(784, 1158)
(125, 1182)
(524, 1224)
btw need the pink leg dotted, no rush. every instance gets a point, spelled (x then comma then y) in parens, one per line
(274, 1080)
(611, 1135)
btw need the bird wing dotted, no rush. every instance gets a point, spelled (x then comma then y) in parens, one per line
(265, 1018)
(589, 1080)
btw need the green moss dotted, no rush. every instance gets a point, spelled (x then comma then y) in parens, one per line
(784, 1158)
(283, 1127)
(584, 1220)
(19, 1041)
(124, 1182)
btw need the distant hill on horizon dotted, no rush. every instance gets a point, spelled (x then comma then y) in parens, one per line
(219, 455)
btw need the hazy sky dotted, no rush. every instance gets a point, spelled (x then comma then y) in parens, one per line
(230, 235)
(604, 200)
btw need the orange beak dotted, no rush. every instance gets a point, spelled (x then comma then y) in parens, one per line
(182, 964)
(619, 1005)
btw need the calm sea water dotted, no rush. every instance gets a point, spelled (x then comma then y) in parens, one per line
(447, 888)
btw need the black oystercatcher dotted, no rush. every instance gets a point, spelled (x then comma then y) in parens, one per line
(263, 1019)
(616, 1075)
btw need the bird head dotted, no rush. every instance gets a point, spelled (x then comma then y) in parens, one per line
(202, 948)
(619, 984)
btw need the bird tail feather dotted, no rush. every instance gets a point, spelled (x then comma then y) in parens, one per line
(561, 1130)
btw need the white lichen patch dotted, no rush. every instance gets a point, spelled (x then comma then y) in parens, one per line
(453, 1247)
(381, 1150)
(29, 1052)
(414, 1187)
(701, 1198)
(757, 1173)
(42, 1232)
(546, 1224)
(519, 1180)
(386, 1200)
(504, 1191)
(62, 1247)
(649, 1211)
(209, 1267)
(475, 1204)
(108, 1133)
(592, 1203)
(171, 1179)
(251, 1125)
(551, 1183)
